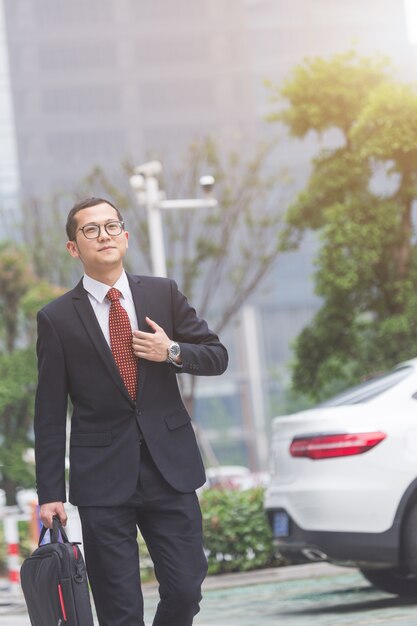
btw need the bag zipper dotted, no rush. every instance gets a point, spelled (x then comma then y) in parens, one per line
(61, 601)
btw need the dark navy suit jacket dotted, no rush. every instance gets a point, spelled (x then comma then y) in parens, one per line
(75, 361)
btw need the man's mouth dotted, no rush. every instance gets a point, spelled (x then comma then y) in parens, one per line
(106, 248)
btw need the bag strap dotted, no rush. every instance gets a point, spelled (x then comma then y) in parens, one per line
(54, 532)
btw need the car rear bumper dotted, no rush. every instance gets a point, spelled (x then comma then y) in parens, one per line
(347, 548)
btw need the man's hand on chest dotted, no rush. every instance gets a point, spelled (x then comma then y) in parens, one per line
(153, 346)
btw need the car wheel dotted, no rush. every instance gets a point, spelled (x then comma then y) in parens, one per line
(409, 540)
(397, 581)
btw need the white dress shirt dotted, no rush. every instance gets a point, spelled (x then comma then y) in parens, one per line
(97, 292)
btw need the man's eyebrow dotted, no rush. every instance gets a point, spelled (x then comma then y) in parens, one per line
(110, 219)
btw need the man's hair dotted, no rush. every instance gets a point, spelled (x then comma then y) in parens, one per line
(71, 226)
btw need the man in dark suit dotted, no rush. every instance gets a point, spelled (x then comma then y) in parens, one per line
(114, 345)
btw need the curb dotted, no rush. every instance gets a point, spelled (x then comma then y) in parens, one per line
(262, 576)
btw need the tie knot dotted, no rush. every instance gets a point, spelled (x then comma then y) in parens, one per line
(113, 294)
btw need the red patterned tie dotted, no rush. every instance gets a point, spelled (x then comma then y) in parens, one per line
(121, 342)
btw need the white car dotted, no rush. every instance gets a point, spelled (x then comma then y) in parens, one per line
(344, 481)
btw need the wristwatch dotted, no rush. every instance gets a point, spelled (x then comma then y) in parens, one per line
(173, 352)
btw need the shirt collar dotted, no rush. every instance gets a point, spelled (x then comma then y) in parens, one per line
(99, 290)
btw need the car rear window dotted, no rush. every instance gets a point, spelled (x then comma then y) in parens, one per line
(369, 388)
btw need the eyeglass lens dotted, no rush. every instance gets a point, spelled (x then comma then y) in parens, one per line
(92, 231)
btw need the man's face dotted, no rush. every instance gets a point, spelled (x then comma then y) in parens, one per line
(104, 253)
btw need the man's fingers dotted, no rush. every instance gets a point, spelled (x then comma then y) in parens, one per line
(150, 346)
(63, 517)
(152, 324)
(47, 512)
(142, 336)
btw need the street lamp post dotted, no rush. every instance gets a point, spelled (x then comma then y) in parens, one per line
(145, 184)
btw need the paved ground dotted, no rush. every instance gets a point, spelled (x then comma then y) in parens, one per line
(330, 599)
(302, 595)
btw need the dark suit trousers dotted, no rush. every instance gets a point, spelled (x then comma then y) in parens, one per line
(170, 523)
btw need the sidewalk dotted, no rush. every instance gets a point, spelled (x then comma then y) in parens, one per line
(15, 603)
(261, 576)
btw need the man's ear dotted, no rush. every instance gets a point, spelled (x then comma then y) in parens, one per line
(127, 238)
(73, 249)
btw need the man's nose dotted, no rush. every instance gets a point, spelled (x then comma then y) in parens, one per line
(103, 234)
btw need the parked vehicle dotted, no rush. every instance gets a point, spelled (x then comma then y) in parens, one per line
(234, 477)
(344, 481)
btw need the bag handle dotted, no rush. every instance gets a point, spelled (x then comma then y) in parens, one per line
(54, 532)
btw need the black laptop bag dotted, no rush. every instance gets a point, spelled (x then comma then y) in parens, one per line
(54, 582)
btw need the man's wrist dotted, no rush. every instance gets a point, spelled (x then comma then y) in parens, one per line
(174, 354)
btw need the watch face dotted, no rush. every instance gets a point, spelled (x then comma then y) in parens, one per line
(174, 350)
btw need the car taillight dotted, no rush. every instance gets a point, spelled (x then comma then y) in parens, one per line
(330, 446)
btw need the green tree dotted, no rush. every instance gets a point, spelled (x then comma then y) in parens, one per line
(15, 280)
(41, 227)
(367, 261)
(17, 384)
(21, 294)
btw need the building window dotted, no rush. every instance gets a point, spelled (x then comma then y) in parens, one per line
(88, 145)
(173, 50)
(73, 11)
(59, 57)
(179, 94)
(161, 9)
(82, 99)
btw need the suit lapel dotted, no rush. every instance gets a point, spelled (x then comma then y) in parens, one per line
(140, 300)
(85, 311)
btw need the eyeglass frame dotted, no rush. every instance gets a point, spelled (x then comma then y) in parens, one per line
(104, 226)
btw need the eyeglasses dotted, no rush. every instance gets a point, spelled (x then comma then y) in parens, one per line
(92, 231)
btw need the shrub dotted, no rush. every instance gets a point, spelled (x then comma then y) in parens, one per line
(237, 536)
